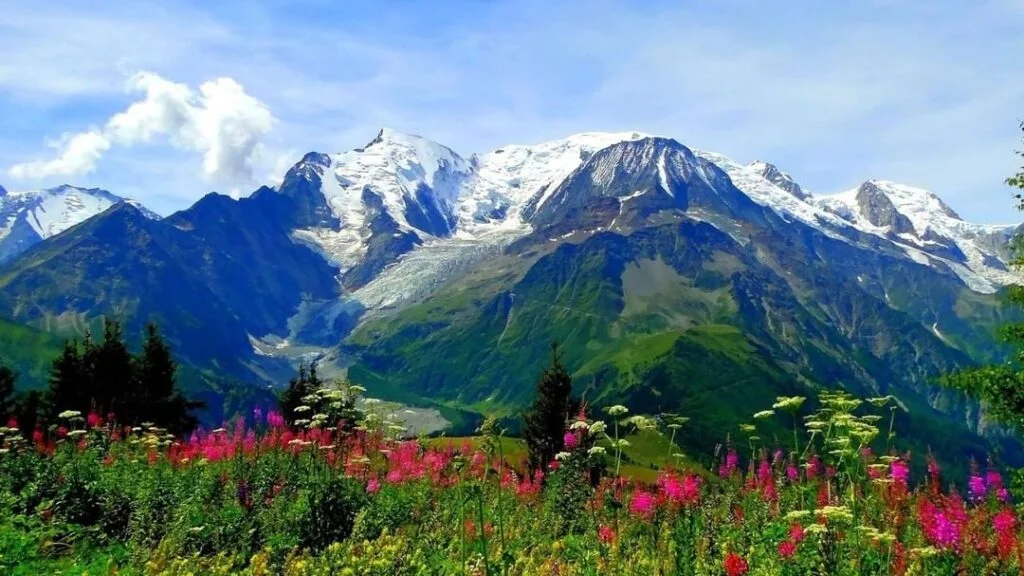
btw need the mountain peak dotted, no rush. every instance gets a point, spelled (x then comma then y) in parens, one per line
(3, 192)
(781, 179)
(391, 136)
(911, 199)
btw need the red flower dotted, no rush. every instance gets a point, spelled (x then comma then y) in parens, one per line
(735, 565)
(606, 534)
(796, 533)
(787, 548)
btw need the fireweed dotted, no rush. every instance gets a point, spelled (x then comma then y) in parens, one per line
(347, 492)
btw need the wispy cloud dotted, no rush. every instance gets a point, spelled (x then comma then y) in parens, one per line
(925, 92)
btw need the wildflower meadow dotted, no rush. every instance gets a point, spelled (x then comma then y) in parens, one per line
(326, 496)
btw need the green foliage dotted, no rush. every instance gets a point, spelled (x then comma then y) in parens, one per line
(300, 503)
(28, 352)
(389, 510)
(1001, 386)
(106, 378)
(331, 508)
(567, 493)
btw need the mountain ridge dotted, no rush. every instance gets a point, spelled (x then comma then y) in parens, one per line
(422, 272)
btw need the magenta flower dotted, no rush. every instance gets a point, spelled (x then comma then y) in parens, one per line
(730, 465)
(899, 472)
(682, 492)
(274, 419)
(976, 488)
(643, 504)
(570, 440)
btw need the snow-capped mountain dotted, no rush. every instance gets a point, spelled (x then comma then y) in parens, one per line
(914, 220)
(403, 193)
(28, 217)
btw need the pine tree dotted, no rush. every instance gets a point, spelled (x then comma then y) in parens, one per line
(106, 378)
(306, 382)
(7, 378)
(544, 423)
(156, 396)
(112, 380)
(154, 374)
(1001, 386)
(69, 389)
(28, 411)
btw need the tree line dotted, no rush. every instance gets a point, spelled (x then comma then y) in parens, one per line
(103, 377)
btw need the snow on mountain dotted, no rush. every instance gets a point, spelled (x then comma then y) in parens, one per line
(915, 220)
(435, 194)
(413, 181)
(918, 219)
(28, 217)
(459, 210)
(779, 178)
(509, 177)
(51, 211)
(751, 180)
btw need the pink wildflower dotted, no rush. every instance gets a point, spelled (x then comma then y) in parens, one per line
(787, 548)
(643, 504)
(570, 440)
(730, 465)
(899, 472)
(373, 486)
(274, 419)
(792, 474)
(606, 534)
(680, 492)
(976, 488)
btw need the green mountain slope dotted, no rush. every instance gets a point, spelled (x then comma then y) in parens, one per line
(673, 318)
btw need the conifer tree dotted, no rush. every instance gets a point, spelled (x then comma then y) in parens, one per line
(154, 376)
(544, 423)
(106, 378)
(28, 411)
(7, 377)
(69, 389)
(157, 398)
(306, 382)
(112, 378)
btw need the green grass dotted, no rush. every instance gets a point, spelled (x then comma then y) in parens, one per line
(29, 352)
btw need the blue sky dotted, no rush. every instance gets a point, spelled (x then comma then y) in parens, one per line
(171, 102)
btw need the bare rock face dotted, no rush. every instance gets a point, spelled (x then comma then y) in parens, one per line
(779, 178)
(880, 211)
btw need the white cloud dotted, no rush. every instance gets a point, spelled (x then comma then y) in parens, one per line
(221, 121)
(79, 153)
